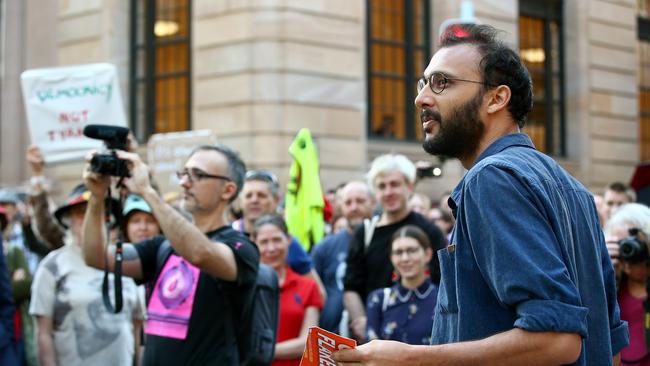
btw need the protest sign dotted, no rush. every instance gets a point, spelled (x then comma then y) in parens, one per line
(167, 152)
(61, 101)
(320, 346)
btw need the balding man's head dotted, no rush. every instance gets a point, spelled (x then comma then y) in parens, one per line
(357, 202)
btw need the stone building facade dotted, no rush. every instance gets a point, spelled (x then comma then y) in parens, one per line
(259, 70)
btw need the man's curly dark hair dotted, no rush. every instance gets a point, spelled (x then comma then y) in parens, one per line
(500, 65)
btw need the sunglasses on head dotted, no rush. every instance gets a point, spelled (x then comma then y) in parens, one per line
(263, 175)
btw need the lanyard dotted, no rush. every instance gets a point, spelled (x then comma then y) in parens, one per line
(117, 270)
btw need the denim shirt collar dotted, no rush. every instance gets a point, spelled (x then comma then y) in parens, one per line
(502, 143)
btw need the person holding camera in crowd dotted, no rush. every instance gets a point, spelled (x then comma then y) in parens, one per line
(204, 271)
(627, 229)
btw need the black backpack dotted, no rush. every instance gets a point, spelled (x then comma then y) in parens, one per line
(257, 344)
(256, 340)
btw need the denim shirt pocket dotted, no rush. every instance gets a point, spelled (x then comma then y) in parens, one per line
(447, 301)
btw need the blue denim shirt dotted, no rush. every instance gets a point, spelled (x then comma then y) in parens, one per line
(527, 251)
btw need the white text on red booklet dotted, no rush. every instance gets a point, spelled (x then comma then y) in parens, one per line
(320, 346)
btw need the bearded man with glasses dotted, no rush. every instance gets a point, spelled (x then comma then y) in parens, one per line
(202, 273)
(526, 278)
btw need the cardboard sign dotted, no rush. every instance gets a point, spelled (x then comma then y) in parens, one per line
(320, 346)
(61, 101)
(167, 153)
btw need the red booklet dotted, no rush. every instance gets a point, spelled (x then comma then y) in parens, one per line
(320, 346)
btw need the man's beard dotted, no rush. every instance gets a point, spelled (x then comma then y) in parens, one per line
(459, 134)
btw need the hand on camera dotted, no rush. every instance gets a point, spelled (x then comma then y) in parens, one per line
(138, 182)
(96, 183)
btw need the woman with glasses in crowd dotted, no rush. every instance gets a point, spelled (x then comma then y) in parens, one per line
(404, 312)
(300, 300)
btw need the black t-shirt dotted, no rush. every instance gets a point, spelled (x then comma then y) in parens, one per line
(370, 268)
(216, 311)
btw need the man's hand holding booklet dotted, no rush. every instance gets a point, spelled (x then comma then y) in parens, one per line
(320, 346)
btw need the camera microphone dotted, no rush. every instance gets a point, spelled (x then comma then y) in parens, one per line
(115, 138)
(106, 132)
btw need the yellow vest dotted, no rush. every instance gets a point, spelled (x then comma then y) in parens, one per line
(304, 200)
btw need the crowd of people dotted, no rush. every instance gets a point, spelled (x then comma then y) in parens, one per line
(519, 264)
(63, 317)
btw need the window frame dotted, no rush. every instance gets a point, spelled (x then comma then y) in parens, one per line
(549, 13)
(409, 77)
(150, 76)
(643, 35)
(643, 28)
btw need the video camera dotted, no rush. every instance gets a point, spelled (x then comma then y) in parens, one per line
(633, 249)
(115, 138)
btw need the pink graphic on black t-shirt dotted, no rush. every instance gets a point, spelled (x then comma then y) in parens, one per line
(170, 307)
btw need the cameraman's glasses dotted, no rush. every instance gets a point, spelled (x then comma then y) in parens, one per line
(195, 175)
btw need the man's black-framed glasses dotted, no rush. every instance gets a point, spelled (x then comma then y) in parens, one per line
(194, 175)
(438, 82)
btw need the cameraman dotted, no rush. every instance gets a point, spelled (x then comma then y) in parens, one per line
(204, 272)
(627, 232)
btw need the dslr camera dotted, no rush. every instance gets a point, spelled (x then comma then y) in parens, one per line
(633, 249)
(115, 138)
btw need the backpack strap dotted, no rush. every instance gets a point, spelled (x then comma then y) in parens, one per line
(259, 341)
(369, 226)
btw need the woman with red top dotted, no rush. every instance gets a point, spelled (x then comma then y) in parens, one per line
(627, 238)
(300, 300)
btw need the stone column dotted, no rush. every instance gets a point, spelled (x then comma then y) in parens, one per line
(264, 69)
